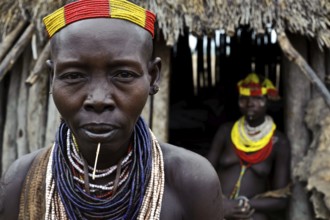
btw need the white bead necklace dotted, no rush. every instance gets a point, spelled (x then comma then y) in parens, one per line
(255, 133)
(101, 173)
(152, 201)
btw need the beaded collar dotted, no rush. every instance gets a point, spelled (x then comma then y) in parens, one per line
(247, 142)
(138, 197)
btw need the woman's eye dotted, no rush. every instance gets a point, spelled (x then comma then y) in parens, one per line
(260, 98)
(124, 74)
(72, 76)
(243, 98)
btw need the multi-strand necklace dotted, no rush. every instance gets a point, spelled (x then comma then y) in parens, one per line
(141, 182)
(252, 145)
(77, 162)
(252, 141)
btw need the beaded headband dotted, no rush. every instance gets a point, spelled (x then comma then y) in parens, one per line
(84, 9)
(252, 86)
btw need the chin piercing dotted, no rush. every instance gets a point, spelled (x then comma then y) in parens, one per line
(96, 158)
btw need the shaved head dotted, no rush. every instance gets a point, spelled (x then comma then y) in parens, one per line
(134, 31)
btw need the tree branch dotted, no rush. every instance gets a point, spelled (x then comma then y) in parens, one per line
(39, 66)
(296, 58)
(16, 51)
(8, 41)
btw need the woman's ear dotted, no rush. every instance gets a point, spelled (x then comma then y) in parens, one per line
(154, 73)
(50, 66)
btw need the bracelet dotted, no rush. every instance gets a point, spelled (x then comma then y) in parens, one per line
(242, 200)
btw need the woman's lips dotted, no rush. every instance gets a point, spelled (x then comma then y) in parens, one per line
(98, 132)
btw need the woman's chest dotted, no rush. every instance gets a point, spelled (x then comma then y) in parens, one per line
(229, 159)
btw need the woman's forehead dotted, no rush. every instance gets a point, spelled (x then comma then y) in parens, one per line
(253, 97)
(102, 35)
(103, 28)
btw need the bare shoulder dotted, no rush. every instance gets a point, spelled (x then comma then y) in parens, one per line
(195, 182)
(222, 134)
(183, 161)
(225, 128)
(282, 143)
(11, 184)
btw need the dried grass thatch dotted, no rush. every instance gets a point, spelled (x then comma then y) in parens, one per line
(310, 18)
(11, 12)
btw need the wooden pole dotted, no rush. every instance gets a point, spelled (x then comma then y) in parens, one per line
(53, 121)
(37, 112)
(40, 65)
(296, 58)
(161, 99)
(9, 150)
(2, 118)
(317, 62)
(21, 133)
(297, 92)
(9, 40)
(16, 51)
(327, 68)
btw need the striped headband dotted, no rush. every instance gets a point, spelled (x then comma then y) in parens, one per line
(84, 9)
(252, 86)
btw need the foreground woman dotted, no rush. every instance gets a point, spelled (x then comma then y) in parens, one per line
(105, 162)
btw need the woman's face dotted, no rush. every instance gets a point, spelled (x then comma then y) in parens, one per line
(102, 78)
(253, 107)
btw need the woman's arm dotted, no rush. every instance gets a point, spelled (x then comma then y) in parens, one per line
(280, 178)
(11, 186)
(218, 144)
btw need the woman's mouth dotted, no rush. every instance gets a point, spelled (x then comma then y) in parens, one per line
(98, 132)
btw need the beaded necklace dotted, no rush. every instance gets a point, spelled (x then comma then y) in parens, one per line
(245, 141)
(139, 196)
(248, 157)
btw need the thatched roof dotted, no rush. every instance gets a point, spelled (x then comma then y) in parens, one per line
(306, 17)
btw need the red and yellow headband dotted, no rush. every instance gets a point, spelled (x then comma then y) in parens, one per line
(252, 86)
(84, 9)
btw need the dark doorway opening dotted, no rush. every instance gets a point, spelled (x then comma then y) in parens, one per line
(203, 92)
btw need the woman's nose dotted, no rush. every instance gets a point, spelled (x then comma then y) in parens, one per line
(99, 99)
(250, 101)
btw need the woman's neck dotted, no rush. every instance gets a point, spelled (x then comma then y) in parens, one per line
(254, 122)
(107, 155)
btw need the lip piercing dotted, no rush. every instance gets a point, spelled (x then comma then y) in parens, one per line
(96, 158)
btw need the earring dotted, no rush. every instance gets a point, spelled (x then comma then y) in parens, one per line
(155, 89)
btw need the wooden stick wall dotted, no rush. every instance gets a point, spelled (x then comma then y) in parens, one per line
(27, 114)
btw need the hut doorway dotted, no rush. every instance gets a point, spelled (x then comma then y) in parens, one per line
(203, 80)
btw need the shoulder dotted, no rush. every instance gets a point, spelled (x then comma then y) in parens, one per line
(226, 127)
(281, 139)
(181, 160)
(11, 184)
(194, 179)
(281, 143)
(223, 131)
